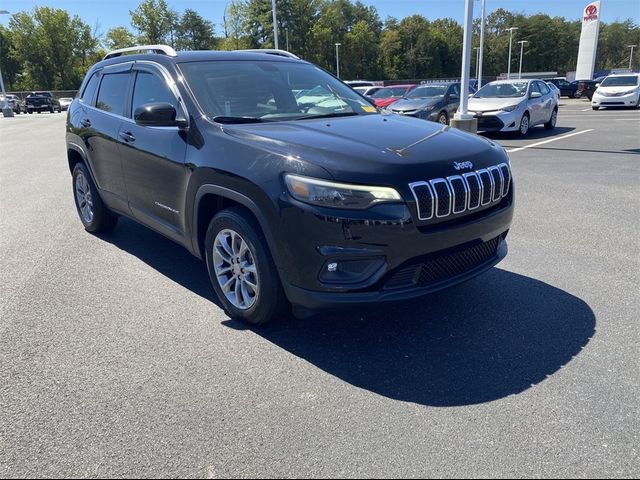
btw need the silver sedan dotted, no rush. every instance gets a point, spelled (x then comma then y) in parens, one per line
(514, 106)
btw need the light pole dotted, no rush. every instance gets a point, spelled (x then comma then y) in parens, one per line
(337, 60)
(286, 31)
(275, 23)
(481, 44)
(477, 49)
(6, 111)
(631, 55)
(510, 39)
(462, 119)
(521, 42)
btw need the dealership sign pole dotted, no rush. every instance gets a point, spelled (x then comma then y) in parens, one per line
(510, 40)
(6, 110)
(588, 41)
(462, 119)
(521, 42)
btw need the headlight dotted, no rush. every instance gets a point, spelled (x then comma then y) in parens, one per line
(510, 108)
(337, 195)
(628, 92)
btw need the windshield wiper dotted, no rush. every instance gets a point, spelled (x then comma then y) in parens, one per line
(226, 119)
(328, 115)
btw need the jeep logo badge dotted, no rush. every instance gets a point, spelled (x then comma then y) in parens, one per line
(462, 165)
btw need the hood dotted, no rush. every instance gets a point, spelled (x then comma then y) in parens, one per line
(380, 149)
(616, 89)
(410, 104)
(489, 104)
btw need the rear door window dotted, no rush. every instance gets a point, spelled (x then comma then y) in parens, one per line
(112, 96)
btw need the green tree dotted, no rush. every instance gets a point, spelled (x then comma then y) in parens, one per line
(194, 32)
(119, 37)
(53, 48)
(155, 22)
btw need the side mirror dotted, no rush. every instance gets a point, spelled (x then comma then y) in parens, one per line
(471, 95)
(597, 85)
(158, 115)
(535, 95)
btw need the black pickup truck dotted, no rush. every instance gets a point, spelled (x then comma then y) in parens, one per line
(41, 102)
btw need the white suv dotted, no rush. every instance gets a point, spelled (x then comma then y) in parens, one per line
(618, 91)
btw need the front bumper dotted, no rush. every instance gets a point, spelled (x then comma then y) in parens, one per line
(408, 259)
(629, 100)
(499, 121)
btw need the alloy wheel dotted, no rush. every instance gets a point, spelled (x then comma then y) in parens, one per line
(83, 198)
(524, 125)
(235, 269)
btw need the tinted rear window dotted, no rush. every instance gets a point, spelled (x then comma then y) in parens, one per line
(112, 95)
(90, 90)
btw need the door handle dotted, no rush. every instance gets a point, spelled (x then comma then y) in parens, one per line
(127, 137)
(85, 122)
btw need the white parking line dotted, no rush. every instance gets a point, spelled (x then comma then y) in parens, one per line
(549, 141)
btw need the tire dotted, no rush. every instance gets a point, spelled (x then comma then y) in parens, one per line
(595, 108)
(245, 247)
(443, 119)
(551, 124)
(97, 218)
(30, 112)
(524, 125)
(51, 110)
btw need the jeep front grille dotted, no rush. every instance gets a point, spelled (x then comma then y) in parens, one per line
(441, 197)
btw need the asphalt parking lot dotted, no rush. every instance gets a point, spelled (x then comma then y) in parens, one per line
(116, 361)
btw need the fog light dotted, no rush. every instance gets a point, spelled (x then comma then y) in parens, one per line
(350, 271)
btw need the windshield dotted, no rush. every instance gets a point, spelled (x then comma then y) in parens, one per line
(270, 91)
(390, 92)
(430, 91)
(502, 90)
(627, 81)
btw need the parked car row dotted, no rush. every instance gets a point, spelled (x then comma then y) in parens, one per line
(40, 101)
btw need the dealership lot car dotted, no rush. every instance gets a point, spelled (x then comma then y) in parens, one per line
(514, 106)
(284, 200)
(42, 102)
(617, 91)
(435, 101)
(387, 95)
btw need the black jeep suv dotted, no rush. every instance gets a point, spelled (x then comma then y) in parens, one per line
(290, 185)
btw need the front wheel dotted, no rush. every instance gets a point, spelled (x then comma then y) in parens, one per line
(595, 108)
(551, 124)
(524, 125)
(94, 215)
(443, 119)
(241, 268)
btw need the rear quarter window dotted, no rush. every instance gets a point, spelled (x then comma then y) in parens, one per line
(89, 92)
(112, 94)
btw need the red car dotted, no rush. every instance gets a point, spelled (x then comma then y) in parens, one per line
(387, 95)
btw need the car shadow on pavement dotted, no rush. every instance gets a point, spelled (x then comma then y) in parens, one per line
(536, 133)
(162, 254)
(494, 336)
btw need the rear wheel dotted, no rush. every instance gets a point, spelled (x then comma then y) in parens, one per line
(241, 268)
(551, 124)
(94, 215)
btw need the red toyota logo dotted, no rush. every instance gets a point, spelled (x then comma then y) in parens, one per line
(591, 10)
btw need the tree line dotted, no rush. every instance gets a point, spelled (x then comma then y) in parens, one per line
(50, 49)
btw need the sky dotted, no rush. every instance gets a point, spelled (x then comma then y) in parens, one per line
(111, 13)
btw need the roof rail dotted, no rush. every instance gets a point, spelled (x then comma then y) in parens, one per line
(271, 51)
(160, 49)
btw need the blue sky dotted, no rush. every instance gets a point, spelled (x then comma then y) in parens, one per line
(110, 13)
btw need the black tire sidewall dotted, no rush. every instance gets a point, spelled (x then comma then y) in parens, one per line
(269, 301)
(103, 219)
